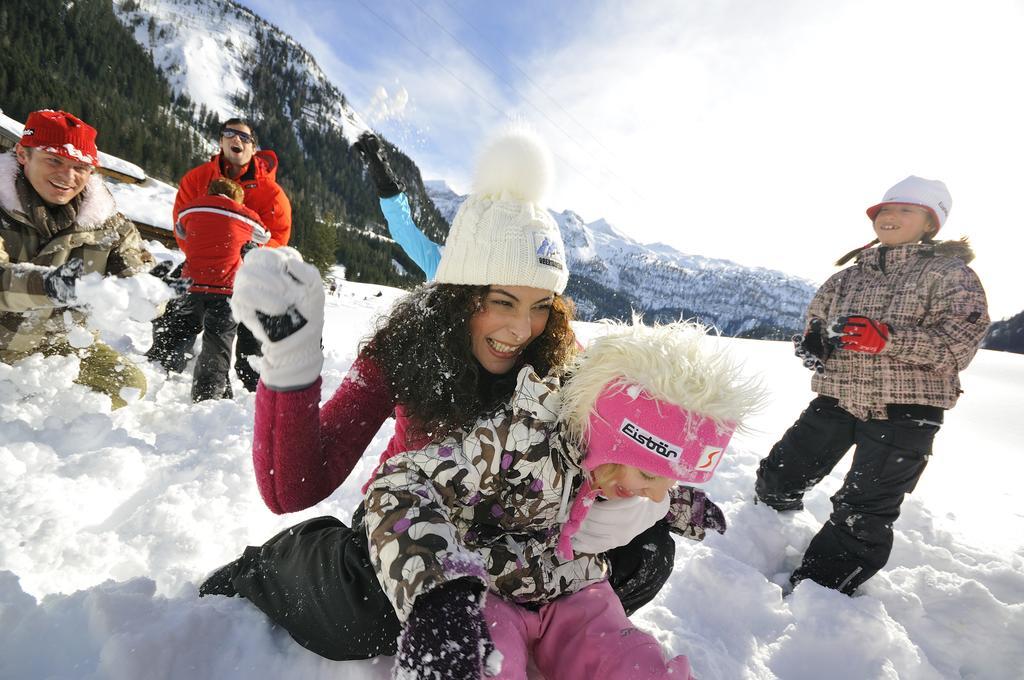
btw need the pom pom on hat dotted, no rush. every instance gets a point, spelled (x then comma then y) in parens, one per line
(502, 235)
(515, 166)
(61, 133)
(927, 193)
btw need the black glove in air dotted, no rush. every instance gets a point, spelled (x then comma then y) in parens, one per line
(384, 179)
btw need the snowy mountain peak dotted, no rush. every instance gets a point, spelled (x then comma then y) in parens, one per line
(204, 48)
(613, 275)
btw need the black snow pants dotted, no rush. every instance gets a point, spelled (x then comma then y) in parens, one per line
(889, 458)
(316, 581)
(247, 346)
(174, 335)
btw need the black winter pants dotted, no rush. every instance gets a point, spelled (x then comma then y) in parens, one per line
(174, 335)
(889, 458)
(316, 581)
(247, 346)
(210, 376)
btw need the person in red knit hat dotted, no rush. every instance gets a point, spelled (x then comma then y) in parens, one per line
(57, 222)
(214, 231)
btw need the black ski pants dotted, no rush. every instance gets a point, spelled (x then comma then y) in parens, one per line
(174, 336)
(889, 458)
(210, 376)
(247, 346)
(316, 581)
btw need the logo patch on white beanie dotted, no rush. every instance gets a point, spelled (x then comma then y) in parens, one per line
(549, 251)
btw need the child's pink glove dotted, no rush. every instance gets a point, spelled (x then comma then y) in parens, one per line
(861, 334)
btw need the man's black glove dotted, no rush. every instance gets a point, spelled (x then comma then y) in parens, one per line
(813, 347)
(171, 275)
(60, 281)
(446, 634)
(247, 247)
(384, 179)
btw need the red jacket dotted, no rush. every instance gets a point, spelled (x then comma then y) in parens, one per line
(211, 231)
(302, 452)
(262, 193)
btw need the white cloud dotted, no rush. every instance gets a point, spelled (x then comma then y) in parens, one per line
(759, 132)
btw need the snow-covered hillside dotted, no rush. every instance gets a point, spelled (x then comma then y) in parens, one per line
(111, 519)
(204, 47)
(612, 273)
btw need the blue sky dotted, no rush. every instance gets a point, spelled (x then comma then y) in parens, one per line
(747, 130)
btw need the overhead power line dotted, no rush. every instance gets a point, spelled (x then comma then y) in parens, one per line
(528, 79)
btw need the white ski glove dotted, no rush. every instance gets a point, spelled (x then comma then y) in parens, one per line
(613, 523)
(281, 300)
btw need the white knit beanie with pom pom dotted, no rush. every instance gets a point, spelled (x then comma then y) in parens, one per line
(502, 235)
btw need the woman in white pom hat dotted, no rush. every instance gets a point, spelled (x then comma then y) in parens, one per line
(445, 355)
(886, 338)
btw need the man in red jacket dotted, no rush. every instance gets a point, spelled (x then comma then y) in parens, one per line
(256, 171)
(214, 231)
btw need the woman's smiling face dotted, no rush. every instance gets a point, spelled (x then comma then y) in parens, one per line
(509, 319)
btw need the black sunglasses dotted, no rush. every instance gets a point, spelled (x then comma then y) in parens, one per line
(231, 132)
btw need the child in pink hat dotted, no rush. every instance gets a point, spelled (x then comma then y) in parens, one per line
(472, 539)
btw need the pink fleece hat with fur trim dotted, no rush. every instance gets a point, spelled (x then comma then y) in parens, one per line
(630, 427)
(664, 399)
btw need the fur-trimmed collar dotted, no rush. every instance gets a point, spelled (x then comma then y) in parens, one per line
(960, 248)
(97, 204)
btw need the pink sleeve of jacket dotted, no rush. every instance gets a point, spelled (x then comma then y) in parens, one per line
(302, 452)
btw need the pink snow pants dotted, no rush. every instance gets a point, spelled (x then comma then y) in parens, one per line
(582, 636)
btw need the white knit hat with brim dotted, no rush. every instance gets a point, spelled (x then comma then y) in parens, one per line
(502, 235)
(927, 193)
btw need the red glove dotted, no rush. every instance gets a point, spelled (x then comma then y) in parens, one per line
(860, 334)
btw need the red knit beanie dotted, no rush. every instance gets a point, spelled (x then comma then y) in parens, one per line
(61, 133)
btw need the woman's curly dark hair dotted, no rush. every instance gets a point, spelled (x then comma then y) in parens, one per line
(424, 349)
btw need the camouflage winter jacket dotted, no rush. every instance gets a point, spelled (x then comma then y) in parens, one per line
(491, 506)
(936, 308)
(103, 238)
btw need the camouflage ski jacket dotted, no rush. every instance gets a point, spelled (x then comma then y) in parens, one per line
(490, 505)
(99, 235)
(936, 308)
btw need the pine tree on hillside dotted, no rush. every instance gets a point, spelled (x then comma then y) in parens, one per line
(62, 55)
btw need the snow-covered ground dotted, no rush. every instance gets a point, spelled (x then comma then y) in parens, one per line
(111, 519)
